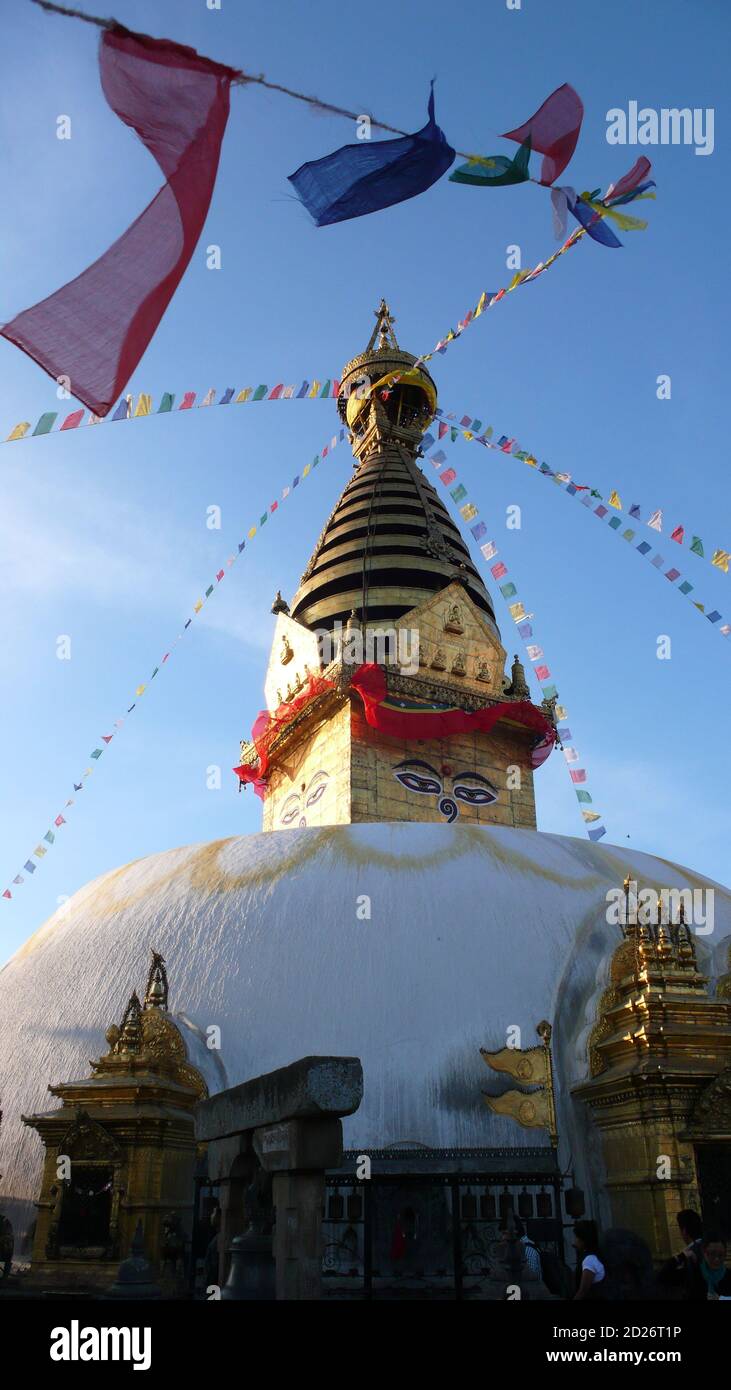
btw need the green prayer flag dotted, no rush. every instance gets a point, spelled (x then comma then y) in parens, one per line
(260, 393)
(97, 753)
(496, 171)
(697, 546)
(507, 590)
(264, 518)
(581, 795)
(49, 835)
(454, 433)
(45, 422)
(166, 403)
(325, 392)
(458, 492)
(209, 591)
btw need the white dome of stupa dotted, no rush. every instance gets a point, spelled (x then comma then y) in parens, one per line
(472, 930)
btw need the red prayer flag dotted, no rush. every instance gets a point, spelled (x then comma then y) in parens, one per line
(443, 428)
(187, 401)
(553, 131)
(96, 328)
(73, 420)
(678, 534)
(59, 820)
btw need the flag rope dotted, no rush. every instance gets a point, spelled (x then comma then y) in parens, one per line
(48, 839)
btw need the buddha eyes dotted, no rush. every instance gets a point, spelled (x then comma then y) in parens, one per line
(315, 795)
(291, 809)
(417, 782)
(420, 777)
(476, 796)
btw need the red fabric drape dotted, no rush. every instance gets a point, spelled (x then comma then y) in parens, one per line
(267, 726)
(553, 131)
(95, 329)
(401, 720)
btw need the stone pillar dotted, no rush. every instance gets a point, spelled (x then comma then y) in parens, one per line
(297, 1153)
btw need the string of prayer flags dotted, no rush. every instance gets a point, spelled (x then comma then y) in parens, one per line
(95, 329)
(720, 557)
(96, 753)
(587, 495)
(145, 406)
(371, 175)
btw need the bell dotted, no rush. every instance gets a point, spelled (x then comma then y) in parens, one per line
(251, 1276)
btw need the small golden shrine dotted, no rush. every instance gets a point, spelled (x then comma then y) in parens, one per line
(121, 1149)
(660, 1083)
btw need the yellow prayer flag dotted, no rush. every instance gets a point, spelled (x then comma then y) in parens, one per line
(315, 390)
(39, 851)
(306, 469)
(561, 712)
(19, 431)
(144, 404)
(468, 511)
(615, 500)
(590, 815)
(140, 690)
(481, 303)
(531, 462)
(720, 559)
(532, 1112)
(251, 533)
(244, 395)
(468, 434)
(516, 611)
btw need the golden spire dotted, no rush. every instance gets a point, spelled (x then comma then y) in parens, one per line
(383, 329)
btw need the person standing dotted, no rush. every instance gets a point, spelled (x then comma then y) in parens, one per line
(590, 1267)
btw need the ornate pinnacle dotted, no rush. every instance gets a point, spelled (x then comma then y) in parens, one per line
(156, 994)
(518, 682)
(279, 605)
(383, 329)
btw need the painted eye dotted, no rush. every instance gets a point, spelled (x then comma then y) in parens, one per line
(291, 809)
(476, 796)
(314, 796)
(416, 783)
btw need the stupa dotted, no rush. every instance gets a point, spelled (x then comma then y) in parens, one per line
(400, 904)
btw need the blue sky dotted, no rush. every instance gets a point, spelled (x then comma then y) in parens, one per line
(103, 532)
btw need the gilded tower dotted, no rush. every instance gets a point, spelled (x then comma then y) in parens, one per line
(386, 690)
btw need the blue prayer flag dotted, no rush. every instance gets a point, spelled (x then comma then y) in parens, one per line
(368, 176)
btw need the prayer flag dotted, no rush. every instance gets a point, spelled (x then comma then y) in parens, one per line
(479, 530)
(494, 171)
(561, 712)
(643, 547)
(678, 535)
(276, 392)
(615, 500)
(167, 402)
(508, 590)
(19, 431)
(578, 775)
(144, 405)
(697, 546)
(517, 612)
(468, 511)
(72, 420)
(497, 571)
(542, 673)
(371, 175)
(187, 401)
(29, 866)
(448, 476)
(226, 397)
(553, 130)
(107, 737)
(488, 549)
(209, 397)
(634, 511)
(720, 559)
(549, 692)
(45, 422)
(458, 492)
(95, 754)
(656, 521)
(7, 893)
(591, 815)
(672, 575)
(535, 653)
(571, 755)
(597, 834)
(96, 328)
(244, 395)
(525, 630)
(59, 820)
(49, 835)
(39, 851)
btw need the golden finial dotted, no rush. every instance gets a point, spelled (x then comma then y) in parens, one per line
(156, 994)
(383, 329)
